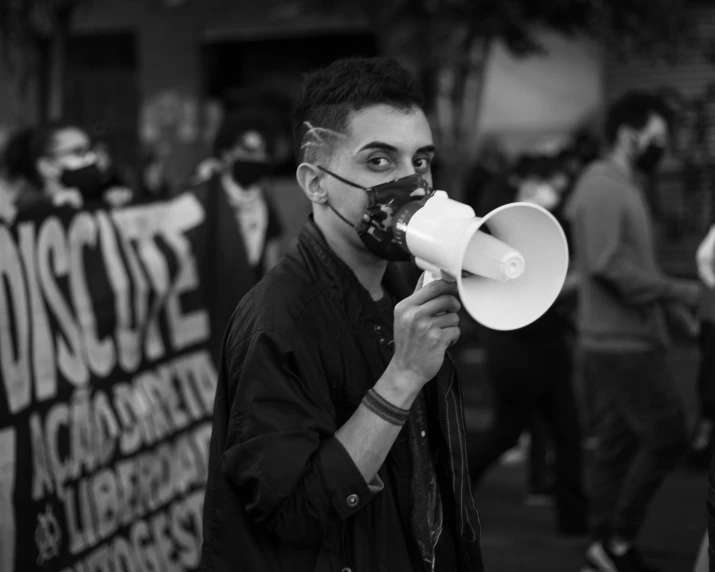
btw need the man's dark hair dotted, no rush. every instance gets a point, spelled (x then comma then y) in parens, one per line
(634, 109)
(330, 94)
(239, 122)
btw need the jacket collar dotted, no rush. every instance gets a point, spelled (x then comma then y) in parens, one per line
(328, 270)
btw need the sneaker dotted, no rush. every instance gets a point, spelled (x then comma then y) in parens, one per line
(599, 558)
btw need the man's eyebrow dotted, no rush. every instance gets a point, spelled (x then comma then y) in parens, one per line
(387, 147)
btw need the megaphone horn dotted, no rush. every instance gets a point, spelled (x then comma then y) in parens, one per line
(506, 278)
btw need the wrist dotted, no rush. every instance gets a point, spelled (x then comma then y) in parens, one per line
(398, 387)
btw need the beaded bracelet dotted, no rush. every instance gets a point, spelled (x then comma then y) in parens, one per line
(384, 409)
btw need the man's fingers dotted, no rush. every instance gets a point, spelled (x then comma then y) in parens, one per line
(452, 335)
(433, 290)
(446, 321)
(443, 304)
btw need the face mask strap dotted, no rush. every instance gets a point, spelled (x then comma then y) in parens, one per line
(339, 178)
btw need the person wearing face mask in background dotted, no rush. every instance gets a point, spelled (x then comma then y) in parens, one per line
(65, 169)
(242, 151)
(530, 375)
(623, 298)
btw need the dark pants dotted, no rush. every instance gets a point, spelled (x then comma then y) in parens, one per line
(529, 378)
(641, 436)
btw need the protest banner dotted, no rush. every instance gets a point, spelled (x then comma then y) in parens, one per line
(107, 378)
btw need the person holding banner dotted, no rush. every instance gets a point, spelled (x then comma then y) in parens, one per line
(242, 166)
(338, 437)
(65, 167)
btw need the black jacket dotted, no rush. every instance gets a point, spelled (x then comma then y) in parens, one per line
(300, 352)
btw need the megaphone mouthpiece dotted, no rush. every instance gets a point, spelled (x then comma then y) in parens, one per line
(491, 258)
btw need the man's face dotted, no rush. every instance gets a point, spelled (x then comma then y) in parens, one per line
(655, 132)
(382, 144)
(250, 146)
(71, 149)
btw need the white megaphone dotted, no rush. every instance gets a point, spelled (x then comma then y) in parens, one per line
(506, 279)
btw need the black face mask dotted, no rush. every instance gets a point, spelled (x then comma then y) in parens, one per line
(375, 228)
(89, 180)
(247, 173)
(648, 160)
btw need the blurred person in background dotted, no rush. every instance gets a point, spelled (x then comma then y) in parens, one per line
(705, 261)
(701, 445)
(65, 168)
(242, 169)
(491, 162)
(153, 182)
(16, 170)
(530, 374)
(623, 339)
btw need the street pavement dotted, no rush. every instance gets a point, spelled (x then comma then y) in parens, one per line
(517, 537)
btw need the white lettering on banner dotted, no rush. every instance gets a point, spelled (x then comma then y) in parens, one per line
(169, 540)
(7, 488)
(42, 479)
(69, 358)
(106, 428)
(100, 354)
(150, 409)
(14, 343)
(170, 221)
(158, 272)
(48, 324)
(43, 357)
(98, 505)
(127, 337)
(184, 329)
(119, 451)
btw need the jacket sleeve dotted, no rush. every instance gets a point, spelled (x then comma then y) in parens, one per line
(292, 474)
(602, 224)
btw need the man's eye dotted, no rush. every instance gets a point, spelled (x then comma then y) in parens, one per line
(379, 162)
(422, 163)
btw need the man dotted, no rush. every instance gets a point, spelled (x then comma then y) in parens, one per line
(242, 150)
(339, 439)
(65, 168)
(623, 297)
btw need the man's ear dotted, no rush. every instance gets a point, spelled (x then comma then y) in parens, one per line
(310, 179)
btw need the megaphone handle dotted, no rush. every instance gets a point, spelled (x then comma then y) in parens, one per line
(433, 272)
(431, 277)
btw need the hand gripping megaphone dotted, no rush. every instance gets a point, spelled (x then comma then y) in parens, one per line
(507, 277)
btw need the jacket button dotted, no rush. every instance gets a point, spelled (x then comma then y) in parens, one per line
(352, 501)
(346, 569)
(391, 344)
(377, 327)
